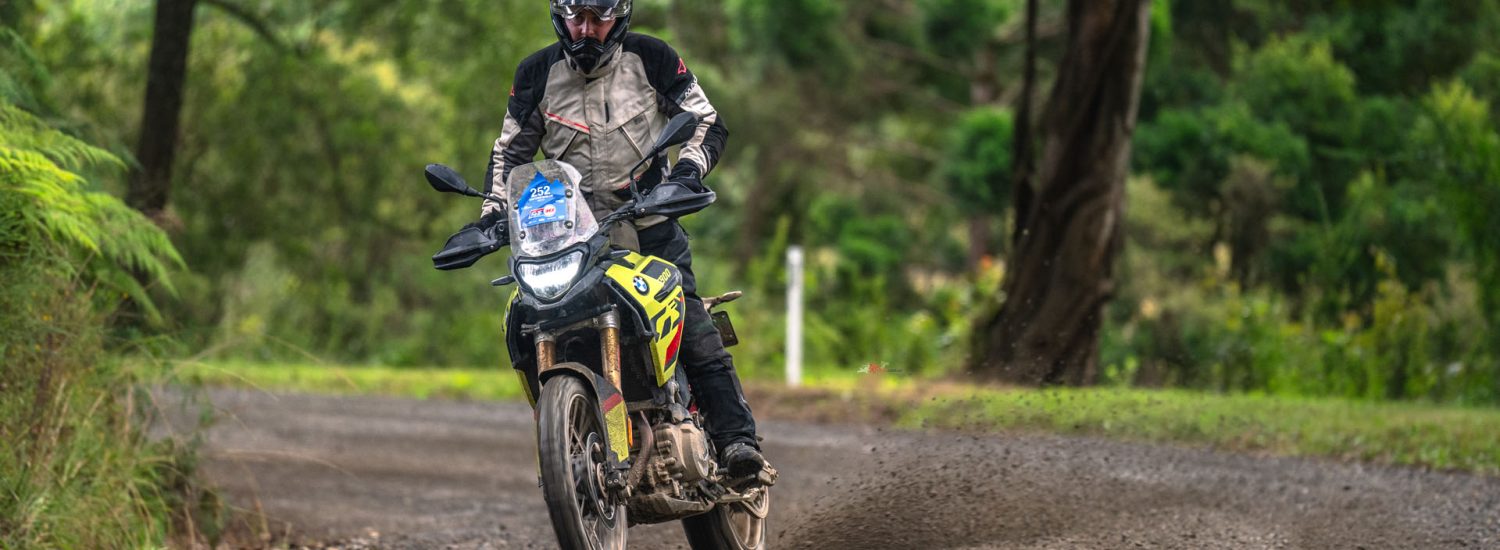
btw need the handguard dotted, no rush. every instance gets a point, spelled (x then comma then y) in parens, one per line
(673, 200)
(467, 246)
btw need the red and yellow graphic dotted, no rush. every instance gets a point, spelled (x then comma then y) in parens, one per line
(656, 285)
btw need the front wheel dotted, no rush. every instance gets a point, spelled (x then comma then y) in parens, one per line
(571, 444)
(731, 526)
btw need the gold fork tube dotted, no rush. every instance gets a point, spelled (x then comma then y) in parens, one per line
(611, 336)
(546, 351)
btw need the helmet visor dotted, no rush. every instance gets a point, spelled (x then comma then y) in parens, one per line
(605, 10)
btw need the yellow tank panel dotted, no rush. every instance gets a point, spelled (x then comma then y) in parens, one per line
(656, 285)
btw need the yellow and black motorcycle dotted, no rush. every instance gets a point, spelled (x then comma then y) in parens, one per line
(593, 331)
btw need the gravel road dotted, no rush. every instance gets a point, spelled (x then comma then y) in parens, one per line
(394, 473)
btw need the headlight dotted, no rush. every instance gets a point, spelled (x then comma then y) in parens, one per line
(551, 279)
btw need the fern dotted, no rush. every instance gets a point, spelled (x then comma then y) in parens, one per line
(22, 76)
(110, 240)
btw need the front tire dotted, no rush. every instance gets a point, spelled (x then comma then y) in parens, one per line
(571, 444)
(732, 526)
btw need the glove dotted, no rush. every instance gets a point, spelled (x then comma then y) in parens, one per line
(687, 175)
(493, 225)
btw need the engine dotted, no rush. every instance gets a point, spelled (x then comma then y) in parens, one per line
(679, 460)
(682, 454)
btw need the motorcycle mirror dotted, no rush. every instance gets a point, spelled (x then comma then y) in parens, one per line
(445, 180)
(680, 129)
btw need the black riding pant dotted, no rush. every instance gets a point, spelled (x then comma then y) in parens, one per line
(710, 368)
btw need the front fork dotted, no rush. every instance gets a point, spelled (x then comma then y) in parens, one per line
(608, 324)
(616, 421)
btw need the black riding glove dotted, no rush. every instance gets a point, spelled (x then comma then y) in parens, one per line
(687, 175)
(492, 224)
(487, 221)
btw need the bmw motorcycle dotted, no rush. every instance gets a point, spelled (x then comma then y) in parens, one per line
(593, 330)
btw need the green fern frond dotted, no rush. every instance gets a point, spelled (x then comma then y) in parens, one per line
(146, 251)
(22, 130)
(52, 203)
(121, 284)
(59, 210)
(23, 78)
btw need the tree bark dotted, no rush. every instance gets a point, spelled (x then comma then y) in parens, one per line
(1021, 156)
(166, 78)
(1061, 274)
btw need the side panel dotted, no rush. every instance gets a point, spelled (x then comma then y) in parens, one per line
(656, 285)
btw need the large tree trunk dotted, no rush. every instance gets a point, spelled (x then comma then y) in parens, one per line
(167, 76)
(1023, 163)
(1061, 274)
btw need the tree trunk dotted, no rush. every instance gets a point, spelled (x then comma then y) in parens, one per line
(167, 76)
(1022, 159)
(1061, 274)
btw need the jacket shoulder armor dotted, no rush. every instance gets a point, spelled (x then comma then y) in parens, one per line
(646, 46)
(531, 79)
(665, 70)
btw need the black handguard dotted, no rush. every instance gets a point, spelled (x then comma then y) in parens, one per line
(474, 241)
(674, 199)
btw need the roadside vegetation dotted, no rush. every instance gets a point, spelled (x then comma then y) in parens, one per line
(445, 383)
(1409, 434)
(76, 467)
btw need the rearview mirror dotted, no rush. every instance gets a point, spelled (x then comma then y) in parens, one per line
(680, 129)
(445, 180)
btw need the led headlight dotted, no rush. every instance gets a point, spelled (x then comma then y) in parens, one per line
(551, 279)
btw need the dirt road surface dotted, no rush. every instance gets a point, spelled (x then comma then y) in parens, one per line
(399, 473)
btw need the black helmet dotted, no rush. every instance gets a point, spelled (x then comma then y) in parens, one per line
(588, 53)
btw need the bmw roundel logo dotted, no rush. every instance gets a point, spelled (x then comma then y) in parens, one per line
(640, 284)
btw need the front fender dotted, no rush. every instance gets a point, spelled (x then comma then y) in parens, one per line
(612, 410)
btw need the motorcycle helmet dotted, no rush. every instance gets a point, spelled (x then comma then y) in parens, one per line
(588, 53)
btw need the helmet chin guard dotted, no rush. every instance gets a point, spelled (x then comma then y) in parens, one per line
(589, 54)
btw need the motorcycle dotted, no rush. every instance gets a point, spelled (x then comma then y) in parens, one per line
(593, 330)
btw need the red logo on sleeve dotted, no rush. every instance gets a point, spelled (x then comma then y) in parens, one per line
(512, 91)
(681, 67)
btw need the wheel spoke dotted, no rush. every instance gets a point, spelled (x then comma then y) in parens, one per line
(595, 518)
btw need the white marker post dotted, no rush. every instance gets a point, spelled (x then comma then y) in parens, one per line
(794, 316)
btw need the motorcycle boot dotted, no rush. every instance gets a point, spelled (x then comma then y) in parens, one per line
(742, 460)
(709, 367)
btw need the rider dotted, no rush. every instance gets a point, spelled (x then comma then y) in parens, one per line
(596, 99)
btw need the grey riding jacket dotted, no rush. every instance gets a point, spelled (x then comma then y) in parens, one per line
(604, 122)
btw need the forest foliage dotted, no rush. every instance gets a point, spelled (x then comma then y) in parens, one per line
(1309, 211)
(76, 470)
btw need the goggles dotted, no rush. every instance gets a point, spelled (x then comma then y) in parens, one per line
(620, 9)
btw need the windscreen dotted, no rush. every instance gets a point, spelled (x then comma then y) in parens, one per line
(547, 211)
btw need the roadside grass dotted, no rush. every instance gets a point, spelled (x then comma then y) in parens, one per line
(1412, 434)
(447, 383)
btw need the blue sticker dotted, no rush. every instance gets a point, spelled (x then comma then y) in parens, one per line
(542, 202)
